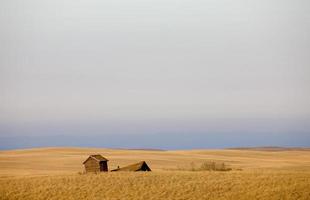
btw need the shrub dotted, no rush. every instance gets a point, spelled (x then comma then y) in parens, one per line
(206, 166)
(213, 166)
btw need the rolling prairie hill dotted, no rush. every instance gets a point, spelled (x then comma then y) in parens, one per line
(56, 173)
(45, 161)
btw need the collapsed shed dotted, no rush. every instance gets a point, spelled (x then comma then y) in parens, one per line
(140, 166)
(96, 163)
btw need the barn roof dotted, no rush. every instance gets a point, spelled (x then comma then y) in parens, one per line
(140, 166)
(96, 157)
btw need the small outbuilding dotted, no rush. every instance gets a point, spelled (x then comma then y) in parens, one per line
(140, 166)
(96, 163)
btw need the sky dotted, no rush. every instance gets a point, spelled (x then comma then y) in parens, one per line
(154, 73)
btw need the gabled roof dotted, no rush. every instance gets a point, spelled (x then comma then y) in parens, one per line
(140, 166)
(96, 157)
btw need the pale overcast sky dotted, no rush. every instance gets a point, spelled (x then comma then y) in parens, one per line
(212, 73)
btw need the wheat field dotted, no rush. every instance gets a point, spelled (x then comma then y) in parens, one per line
(57, 173)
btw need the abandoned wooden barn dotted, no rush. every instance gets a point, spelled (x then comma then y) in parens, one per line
(140, 166)
(96, 163)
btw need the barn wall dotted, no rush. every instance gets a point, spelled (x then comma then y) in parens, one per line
(92, 166)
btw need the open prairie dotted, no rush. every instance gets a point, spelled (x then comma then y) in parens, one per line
(56, 173)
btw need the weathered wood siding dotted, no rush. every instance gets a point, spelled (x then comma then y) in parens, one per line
(92, 166)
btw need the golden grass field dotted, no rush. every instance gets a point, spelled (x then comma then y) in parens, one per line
(53, 173)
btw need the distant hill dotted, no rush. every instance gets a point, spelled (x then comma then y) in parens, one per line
(272, 148)
(141, 149)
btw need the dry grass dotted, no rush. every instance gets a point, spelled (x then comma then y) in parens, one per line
(161, 185)
(53, 174)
